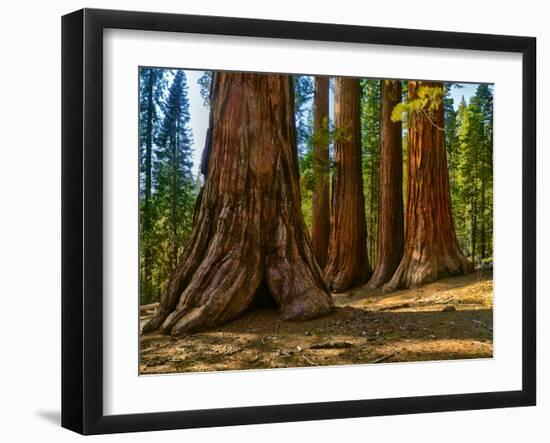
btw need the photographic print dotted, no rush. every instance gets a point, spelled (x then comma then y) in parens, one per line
(249, 204)
(292, 220)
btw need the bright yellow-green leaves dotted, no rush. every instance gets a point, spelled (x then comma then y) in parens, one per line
(429, 99)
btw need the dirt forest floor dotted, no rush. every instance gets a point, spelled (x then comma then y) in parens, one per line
(448, 319)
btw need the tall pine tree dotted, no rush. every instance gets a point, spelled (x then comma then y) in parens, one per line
(152, 82)
(304, 92)
(370, 142)
(469, 145)
(470, 136)
(176, 188)
(484, 101)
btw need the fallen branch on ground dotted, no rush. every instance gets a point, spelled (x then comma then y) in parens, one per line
(383, 358)
(332, 345)
(308, 360)
(393, 307)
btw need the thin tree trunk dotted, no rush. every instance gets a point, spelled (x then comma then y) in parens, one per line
(375, 188)
(348, 263)
(483, 241)
(147, 216)
(321, 166)
(473, 230)
(474, 209)
(372, 210)
(249, 229)
(431, 248)
(175, 142)
(390, 220)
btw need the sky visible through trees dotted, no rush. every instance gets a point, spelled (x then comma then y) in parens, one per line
(174, 120)
(199, 112)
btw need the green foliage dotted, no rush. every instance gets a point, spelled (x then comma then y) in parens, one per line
(304, 92)
(152, 87)
(453, 120)
(325, 134)
(428, 100)
(452, 144)
(370, 145)
(166, 214)
(205, 83)
(469, 146)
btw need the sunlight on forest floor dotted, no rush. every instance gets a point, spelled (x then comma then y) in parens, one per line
(448, 319)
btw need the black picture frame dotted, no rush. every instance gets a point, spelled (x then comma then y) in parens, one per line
(82, 218)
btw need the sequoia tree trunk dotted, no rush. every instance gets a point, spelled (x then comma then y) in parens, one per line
(348, 263)
(390, 219)
(321, 166)
(431, 247)
(249, 227)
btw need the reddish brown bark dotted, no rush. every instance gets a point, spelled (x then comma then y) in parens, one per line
(390, 218)
(431, 248)
(249, 227)
(321, 163)
(348, 263)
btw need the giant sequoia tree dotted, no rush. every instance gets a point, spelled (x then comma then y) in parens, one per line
(390, 222)
(248, 229)
(320, 224)
(431, 247)
(348, 263)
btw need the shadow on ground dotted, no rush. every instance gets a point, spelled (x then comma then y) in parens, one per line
(449, 319)
(53, 417)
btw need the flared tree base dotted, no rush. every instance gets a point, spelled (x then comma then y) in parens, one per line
(248, 229)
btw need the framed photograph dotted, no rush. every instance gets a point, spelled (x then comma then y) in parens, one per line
(268, 221)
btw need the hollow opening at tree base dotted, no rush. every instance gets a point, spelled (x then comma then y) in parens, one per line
(263, 299)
